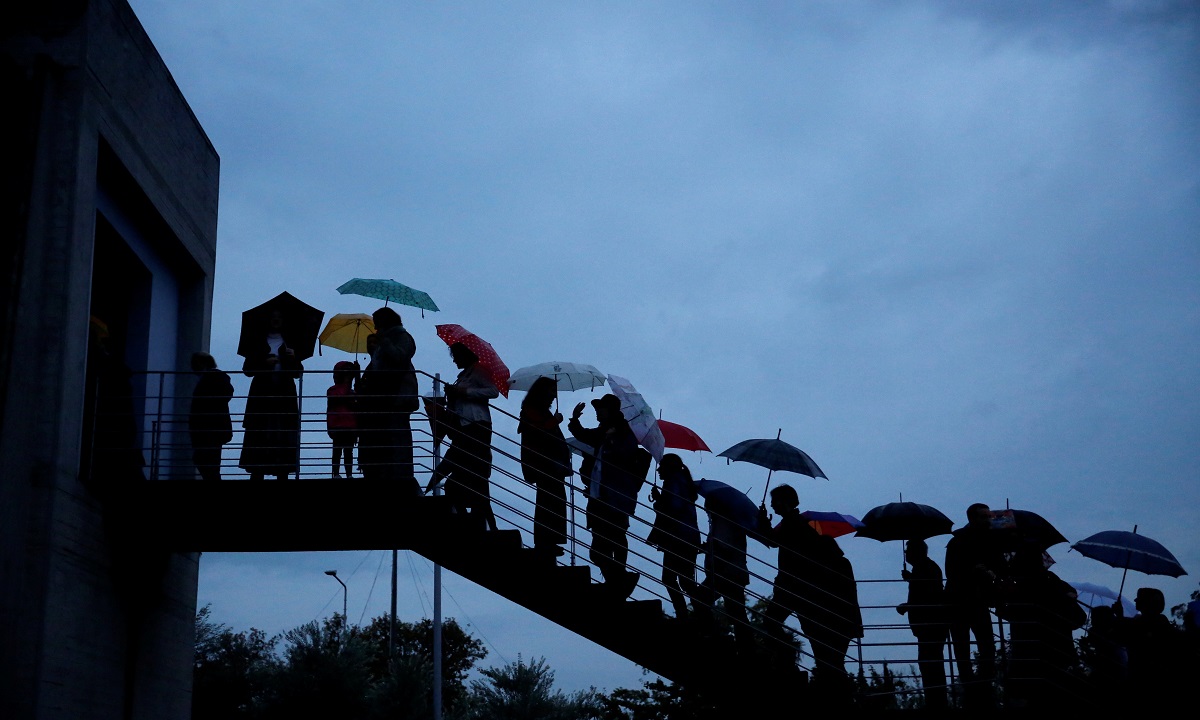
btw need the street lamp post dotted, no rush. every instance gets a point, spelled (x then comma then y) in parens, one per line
(345, 592)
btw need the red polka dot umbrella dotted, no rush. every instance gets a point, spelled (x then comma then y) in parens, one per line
(493, 366)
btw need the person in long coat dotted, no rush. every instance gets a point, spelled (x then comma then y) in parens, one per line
(271, 444)
(545, 464)
(209, 424)
(387, 397)
(675, 530)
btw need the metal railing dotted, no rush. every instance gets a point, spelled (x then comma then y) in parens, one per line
(161, 419)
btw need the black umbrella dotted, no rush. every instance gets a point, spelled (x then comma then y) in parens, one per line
(774, 455)
(904, 521)
(1025, 528)
(301, 326)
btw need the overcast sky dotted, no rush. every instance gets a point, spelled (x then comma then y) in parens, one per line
(949, 249)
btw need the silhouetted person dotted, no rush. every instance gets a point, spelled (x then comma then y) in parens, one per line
(675, 530)
(613, 481)
(1153, 645)
(1042, 611)
(928, 618)
(1108, 660)
(972, 562)
(725, 573)
(798, 588)
(545, 464)
(816, 583)
(845, 625)
(387, 397)
(271, 443)
(467, 466)
(340, 417)
(209, 424)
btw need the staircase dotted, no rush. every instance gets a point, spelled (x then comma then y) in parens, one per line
(273, 516)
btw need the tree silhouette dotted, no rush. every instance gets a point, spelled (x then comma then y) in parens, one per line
(525, 691)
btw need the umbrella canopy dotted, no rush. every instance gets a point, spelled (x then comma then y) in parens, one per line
(580, 448)
(493, 366)
(1090, 595)
(904, 521)
(389, 291)
(681, 438)
(729, 502)
(348, 332)
(569, 376)
(1130, 551)
(301, 325)
(1025, 527)
(640, 416)
(774, 454)
(831, 523)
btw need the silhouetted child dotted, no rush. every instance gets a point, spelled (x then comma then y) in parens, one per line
(340, 421)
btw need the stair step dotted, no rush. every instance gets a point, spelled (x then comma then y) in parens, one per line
(577, 575)
(643, 610)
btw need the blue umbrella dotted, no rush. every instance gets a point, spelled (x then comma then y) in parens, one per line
(1129, 551)
(389, 290)
(728, 502)
(774, 455)
(1090, 595)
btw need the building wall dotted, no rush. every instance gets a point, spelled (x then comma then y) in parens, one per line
(93, 622)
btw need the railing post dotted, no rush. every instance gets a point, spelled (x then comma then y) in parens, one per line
(153, 449)
(300, 411)
(437, 586)
(155, 435)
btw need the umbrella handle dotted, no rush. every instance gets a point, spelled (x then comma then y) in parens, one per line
(768, 486)
(1125, 570)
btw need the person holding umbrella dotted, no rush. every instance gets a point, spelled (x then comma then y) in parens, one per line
(1154, 648)
(928, 620)
(545, 464)
(467, 466)
(387, 397)
(614, 475)
(271, 444)
(815, 583)
(675, 530)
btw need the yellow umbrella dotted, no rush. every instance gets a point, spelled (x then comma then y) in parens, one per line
(348, 332)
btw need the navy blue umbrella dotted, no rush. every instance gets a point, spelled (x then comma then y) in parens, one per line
(1129, 551)
(728, 502)
(774, 454)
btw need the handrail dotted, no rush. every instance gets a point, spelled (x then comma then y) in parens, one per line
(161, 422)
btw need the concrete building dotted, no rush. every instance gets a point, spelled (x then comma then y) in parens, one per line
(110, 213)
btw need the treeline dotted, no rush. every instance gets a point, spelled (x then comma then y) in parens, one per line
(330, 670)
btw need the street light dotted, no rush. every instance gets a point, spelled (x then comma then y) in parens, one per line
(333, 574)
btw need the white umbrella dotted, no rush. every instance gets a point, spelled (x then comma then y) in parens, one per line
(641, 418)
(569, 376)
(1090, 595)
